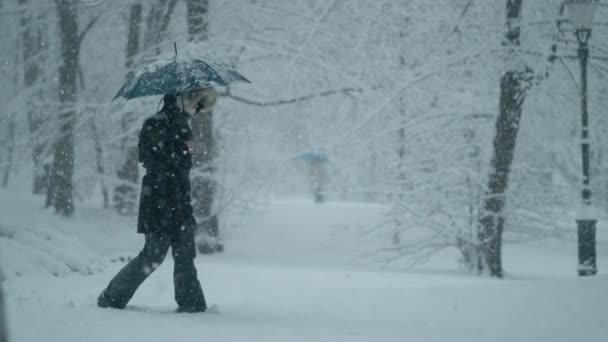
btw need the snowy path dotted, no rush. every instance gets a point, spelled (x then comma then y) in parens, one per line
(287, 276)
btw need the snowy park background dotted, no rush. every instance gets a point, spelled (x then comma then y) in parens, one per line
(402, 96)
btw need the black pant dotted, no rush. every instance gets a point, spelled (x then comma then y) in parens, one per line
(188, 291)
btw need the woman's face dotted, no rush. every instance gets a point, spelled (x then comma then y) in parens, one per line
(191, 100)
(208, 101)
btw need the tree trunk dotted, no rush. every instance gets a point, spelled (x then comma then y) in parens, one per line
(152, 24)
(100, 164)
(125, 194)
(164, 22)
(203, 181)
(157, 23)
(63, 161)
(3, 324)
(7, 163)
(468, 240)
(513, 88)
(10, 151)
(198, 20)
(33, 47)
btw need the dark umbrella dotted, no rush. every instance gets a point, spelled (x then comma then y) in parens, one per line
(178, 75)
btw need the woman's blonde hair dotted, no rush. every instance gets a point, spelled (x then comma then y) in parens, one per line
(206, 104)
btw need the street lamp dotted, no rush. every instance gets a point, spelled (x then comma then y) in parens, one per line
(581, 16)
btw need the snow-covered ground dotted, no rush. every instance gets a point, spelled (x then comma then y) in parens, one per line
(292, 273)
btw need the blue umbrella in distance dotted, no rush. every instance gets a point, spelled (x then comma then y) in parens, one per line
(312, 157)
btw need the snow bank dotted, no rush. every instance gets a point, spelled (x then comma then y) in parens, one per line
(41, 250)
(33, 241)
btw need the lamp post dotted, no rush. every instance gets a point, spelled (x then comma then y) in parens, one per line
(581, 16)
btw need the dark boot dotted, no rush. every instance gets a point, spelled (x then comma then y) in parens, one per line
(191, 309)
(123, 286)
(105, 301)
(188, 291)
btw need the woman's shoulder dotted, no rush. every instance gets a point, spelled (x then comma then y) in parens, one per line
(156, 120)
(155, 126)
(159, 116)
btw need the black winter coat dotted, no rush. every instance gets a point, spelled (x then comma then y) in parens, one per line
(165, 149)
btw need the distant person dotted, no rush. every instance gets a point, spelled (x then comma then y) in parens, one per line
(317, 173)
(47, 182)
(318, 178)
(165, 213)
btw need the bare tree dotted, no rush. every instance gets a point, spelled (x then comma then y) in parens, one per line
(63, 159)
(203, 182)
(514, 84)
(157, 22)
(3, 325)
(128, 173)
(34, 45)
(10, 151)
(11, 116)
(100, 164)
(198, 20)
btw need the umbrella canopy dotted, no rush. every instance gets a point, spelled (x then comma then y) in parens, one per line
(178, 75)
